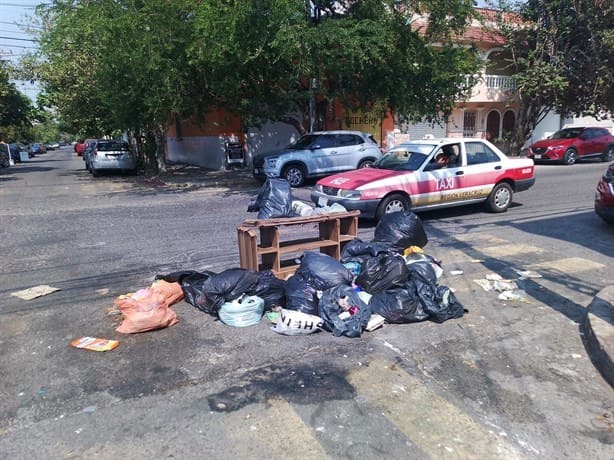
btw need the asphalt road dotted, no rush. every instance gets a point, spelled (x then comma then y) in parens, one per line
(511, 379)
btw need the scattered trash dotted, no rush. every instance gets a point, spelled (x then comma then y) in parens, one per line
(300, 208)
(34, 292)
(527, 274)
(456, 272)
(508, 289)
(484, 284)
(89, 409)
(513, 295)
(375, 322)
(292, 322)
(94, 344)
(504, 285)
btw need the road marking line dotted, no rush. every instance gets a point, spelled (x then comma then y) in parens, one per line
(569, 265)
(483, 237)
(277, 430)
(435, 425)
(509, 250)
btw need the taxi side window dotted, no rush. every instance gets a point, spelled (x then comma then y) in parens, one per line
(479, 153)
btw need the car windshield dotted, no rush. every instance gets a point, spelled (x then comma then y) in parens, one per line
(404, 158)
(567, 133)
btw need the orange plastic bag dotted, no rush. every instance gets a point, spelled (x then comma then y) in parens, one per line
(148, 309)
(172, 292)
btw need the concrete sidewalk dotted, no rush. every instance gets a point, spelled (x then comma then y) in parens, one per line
(599, 327)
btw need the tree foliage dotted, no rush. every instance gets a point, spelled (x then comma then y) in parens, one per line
(265, 58)
(111, 65)
(562, 55)
(15, 108)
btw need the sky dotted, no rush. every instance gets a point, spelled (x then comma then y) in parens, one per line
(14, 41)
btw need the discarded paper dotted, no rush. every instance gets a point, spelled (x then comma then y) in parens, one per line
(34, 292)
(94, 344)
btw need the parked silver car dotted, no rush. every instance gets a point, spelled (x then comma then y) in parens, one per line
(318, 154)
(110, 155)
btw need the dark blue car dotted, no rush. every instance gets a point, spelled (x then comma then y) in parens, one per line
(37, 149)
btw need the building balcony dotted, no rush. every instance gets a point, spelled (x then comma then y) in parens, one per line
(494, 88)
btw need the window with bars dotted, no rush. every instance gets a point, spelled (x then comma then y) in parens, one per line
(469, 123)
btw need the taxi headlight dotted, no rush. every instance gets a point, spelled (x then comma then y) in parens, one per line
(350, 194)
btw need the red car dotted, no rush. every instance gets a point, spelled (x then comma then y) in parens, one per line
(410, 177)
(604, 196)
(571, 144)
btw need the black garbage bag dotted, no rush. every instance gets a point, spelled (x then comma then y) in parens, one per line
(301, 294)
(274, 200)
(400, 230)
(270, 289)
(225, 287)
(180, 276)
(192, 283)
(350, 320)
(382, 272)
(439, 302)
(359, 251)
(399, 305)
(424, 268)
(323, 271)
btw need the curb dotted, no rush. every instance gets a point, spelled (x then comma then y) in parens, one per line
(599, 329)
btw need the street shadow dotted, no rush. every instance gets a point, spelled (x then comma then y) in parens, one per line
(25, 167)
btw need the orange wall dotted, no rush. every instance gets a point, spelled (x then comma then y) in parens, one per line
(215, 123)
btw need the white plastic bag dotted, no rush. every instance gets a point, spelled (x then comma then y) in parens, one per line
(293, 322)
(242, 312)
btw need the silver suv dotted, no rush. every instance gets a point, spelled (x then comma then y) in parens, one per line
(318, 154)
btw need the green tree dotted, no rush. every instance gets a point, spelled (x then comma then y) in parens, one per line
(14, 107)
(115, 65)
(266, 58)
(562, 54)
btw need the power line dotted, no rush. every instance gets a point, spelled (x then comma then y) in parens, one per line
(20, 24)
(21, 5)
(8, 31)
(18, 46)
(20, 39)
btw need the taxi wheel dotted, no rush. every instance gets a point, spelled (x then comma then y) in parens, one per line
(392, 203)
(294, 174)
(500, 198)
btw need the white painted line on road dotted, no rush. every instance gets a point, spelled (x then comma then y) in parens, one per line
(435, 425)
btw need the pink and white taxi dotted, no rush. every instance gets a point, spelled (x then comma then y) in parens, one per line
(412, 176)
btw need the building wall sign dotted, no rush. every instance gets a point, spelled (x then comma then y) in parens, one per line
(368, 122)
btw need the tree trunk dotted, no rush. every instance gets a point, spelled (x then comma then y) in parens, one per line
(160, 149)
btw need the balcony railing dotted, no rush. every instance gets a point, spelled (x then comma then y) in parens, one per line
(500, 82)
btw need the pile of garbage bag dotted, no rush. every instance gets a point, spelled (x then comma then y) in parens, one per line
(389, 279)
